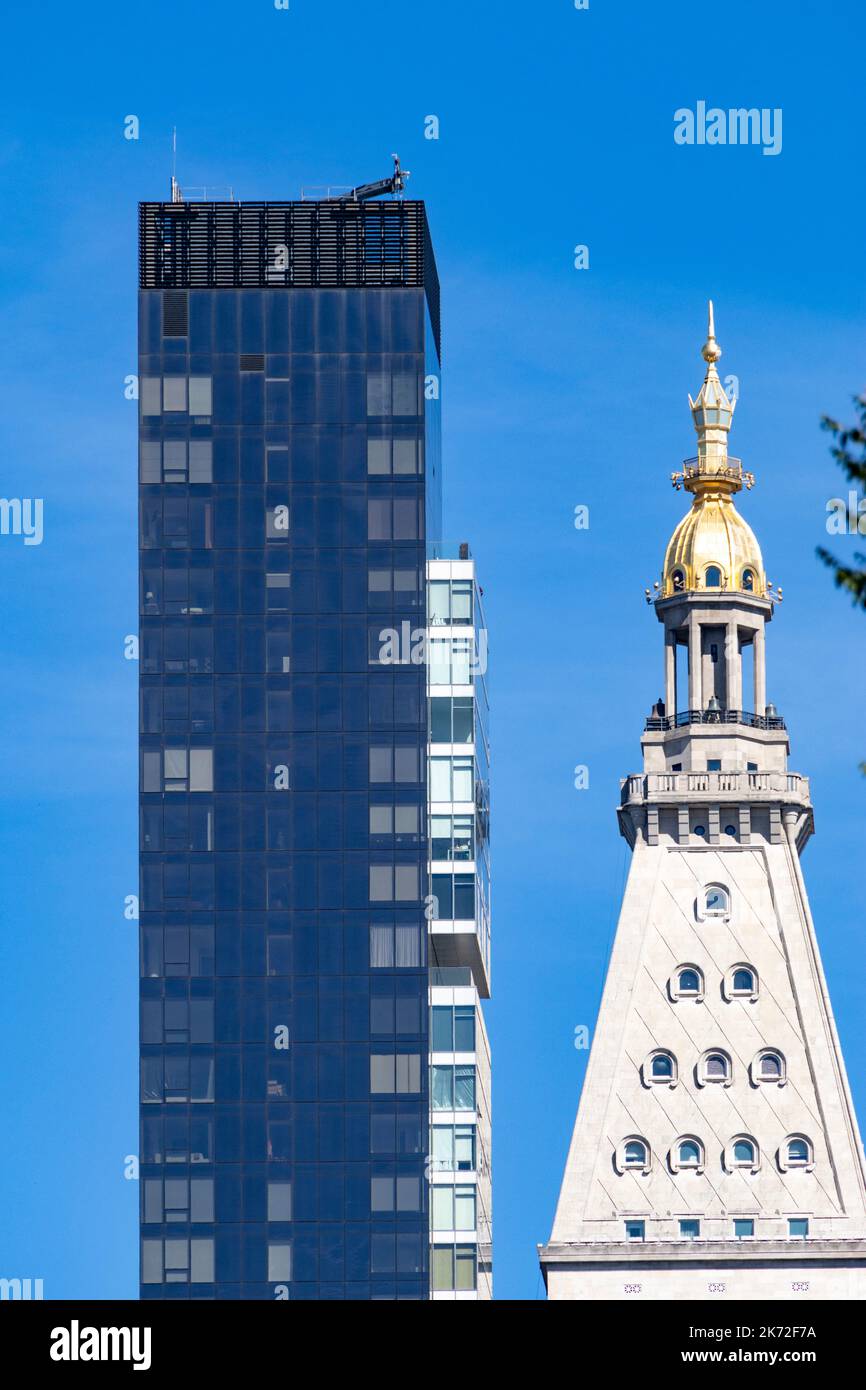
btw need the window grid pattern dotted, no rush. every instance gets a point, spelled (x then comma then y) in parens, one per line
(284, 1020)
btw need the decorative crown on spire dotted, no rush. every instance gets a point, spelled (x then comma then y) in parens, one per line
(713, 547)
(712, 413)
(712, 410)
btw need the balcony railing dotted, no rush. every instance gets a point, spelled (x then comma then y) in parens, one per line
(685, 717)
(448, 550)
(786, 785)
(713, 466)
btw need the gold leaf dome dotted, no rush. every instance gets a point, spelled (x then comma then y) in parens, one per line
(713, 547)
(712, 536)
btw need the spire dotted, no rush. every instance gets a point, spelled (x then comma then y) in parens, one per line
(712, 539)
(711, 352)
(712, 413)
(712, 427)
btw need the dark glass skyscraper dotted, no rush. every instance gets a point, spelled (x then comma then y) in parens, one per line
(289, 489)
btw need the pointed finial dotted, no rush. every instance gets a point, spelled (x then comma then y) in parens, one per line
(711, 352)
(712, 413)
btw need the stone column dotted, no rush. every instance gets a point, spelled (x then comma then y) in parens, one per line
(760, 672)
(695, 658)
(733, 667)
(670, 672)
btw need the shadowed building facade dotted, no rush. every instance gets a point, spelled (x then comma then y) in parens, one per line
(287, 454)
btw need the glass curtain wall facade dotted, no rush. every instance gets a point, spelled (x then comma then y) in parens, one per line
(458, 783)
(289, 476)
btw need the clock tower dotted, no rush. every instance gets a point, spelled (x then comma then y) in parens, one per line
(716, 1151)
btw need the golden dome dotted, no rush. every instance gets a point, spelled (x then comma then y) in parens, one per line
(713, 536)
(713, 547)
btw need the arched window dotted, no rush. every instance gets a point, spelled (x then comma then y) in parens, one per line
(749, 581)
(687, 982)
(769, 1068)
(678, 580)
(659, 1069)
(714, 1068)
(742, 1152)
(796, 1152)
(713, 577)
(632, 1155)
(635, 1154)
(687, 1152)
(716, 901)
(741, 982)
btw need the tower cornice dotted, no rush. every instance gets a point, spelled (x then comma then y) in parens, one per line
(720, 1253)
(713, 600)
(670, 788)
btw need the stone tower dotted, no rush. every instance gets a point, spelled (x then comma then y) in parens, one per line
(716, 1152)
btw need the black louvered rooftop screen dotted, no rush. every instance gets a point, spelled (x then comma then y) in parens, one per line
(294, 245)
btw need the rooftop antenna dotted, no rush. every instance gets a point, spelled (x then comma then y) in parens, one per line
(364, 191)
(176, 195)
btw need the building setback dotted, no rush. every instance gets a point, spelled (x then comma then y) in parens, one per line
(290, 484)
(716, 1151)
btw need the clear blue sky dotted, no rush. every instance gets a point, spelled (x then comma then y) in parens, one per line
(561, 387)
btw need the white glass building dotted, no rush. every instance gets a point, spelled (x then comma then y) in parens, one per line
(458, 913)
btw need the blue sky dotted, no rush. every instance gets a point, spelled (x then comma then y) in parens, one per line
(560, 387)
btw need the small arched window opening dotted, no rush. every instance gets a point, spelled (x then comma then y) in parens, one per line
(770, 1066)
(678, 581)
(713, 577)
(749, 581)
(687, 982)
(632, 1155)
(716, 901)
(741, 982)
(796, 1152)
(742, 1152)
(717, 1067)
(635, 1154)
(714, 1068)
(689, 1153)
(660, 1069)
